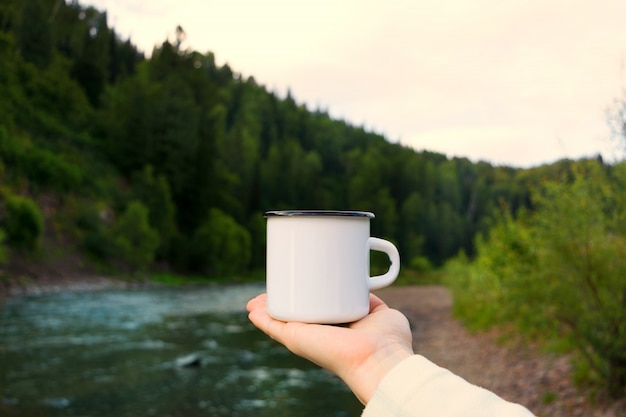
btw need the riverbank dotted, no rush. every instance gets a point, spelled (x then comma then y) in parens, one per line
(15, 287)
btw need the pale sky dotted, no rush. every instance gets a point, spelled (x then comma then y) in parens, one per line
(509, 82)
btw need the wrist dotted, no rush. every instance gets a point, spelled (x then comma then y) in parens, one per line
(365, 380)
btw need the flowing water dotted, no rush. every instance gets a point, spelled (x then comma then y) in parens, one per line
(154, 352)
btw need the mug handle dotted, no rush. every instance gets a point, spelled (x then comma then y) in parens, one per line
(390, 276)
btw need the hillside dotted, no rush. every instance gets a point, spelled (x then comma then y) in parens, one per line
(115, 162)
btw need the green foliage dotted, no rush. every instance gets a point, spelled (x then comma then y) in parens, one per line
(83, 113)
(421, 264)
(558, 271)
(135, 242)
(221, 246)
(155, 194)
(414, 277)
(23, 223)
(215, 139)
(39, 165)
(500, 273)
(4, 256)
(549, 397)
(583, 269)
(257, 227)
(90, 220)
(35, 33)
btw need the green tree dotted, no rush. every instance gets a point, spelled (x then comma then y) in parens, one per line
(152, 123)
(211, 182)
(155, 194)
(23, 223)
(257, 226)
(411, 239)
(494, 288)
(8, 15)
(221, 246)
(290, 176)
(4, 256)
(92, 63)
(35, 41)
(134, 240)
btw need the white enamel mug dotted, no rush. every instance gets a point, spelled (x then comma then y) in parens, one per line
(318, 265)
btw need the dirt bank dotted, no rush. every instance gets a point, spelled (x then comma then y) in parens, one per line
(48, 285)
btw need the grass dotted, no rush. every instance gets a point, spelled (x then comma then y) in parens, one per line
(549, 397)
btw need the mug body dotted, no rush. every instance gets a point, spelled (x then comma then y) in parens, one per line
(318, 265)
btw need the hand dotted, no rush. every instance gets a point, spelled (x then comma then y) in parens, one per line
(361, 353)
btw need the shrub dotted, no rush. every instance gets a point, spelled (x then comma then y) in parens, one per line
(582, 270)
(221, 245)
(134, 240)
(41, 166)
(421, 264)
(23, 223)
(559, 271)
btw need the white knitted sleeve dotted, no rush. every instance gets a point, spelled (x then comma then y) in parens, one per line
(417, 387)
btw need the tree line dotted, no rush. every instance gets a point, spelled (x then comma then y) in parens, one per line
(172, 160)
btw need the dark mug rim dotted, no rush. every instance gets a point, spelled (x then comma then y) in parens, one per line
(318, 213)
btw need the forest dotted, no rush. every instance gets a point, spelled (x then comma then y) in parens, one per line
(134, 165)
(172, 160)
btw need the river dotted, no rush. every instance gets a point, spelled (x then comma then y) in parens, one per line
(154, 352)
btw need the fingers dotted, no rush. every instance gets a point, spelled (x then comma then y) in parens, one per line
(257, 313)
(257, 302)
(376, 303)
(287, 333)
(260, 303)
(276, 329)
